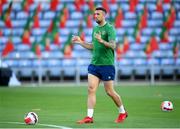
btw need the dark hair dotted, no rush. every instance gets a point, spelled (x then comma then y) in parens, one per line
(101, 8)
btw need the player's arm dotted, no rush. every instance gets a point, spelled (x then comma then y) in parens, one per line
(77, 40)
(111, 44)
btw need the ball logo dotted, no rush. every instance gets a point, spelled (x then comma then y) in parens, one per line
(166, 106)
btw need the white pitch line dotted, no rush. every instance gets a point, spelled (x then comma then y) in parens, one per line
(47, 125)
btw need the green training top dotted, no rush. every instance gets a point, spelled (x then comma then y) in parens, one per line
(103, 55)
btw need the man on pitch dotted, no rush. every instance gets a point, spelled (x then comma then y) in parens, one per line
(102, 65)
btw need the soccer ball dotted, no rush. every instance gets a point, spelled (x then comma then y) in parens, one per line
(166, 106)
(31, 118)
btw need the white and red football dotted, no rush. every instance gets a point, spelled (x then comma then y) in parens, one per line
(166, 106)
(31, 118)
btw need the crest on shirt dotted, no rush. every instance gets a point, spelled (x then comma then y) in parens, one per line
(103, 32)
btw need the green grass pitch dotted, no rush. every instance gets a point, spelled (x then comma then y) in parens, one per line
(63, 106)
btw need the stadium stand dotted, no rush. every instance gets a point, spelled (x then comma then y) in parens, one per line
(57, 22)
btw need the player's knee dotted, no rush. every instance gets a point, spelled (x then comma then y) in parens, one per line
(91, 89)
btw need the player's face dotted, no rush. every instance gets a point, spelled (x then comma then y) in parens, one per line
(99, 16)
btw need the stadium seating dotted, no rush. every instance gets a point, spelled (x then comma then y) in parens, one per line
(134, 62)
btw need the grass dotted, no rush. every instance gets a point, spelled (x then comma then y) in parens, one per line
(65, 105)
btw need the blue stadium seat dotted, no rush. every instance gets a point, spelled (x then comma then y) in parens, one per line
(53, 66)
(55, 72)
(88, 31)
(25, 67)
(79, 48)
(22, 47)
(155, 23)
(19, 23)
(136, 47)
(167, 61)
(128, 23)
(145, 39)
(69, 67)
(27, 54)
(45, 23)
(59, 7)
(124, 6)
(38, 31)
(39, 67)
(166, 7)
(55, 54)
(178, 15)
(139, 7)
(25, 63)
(1, 24)
(55, 47)
(165, 46)
(125, 66)
(49, 15)
(76, 15)
(53, 63)
(37, 63)
(64, 32)
(125, 62)
(83, 64)
(140, 62)
(120, 31)
(130, 54)
(3, 40)
(153, 64)
(84, 54)
(162, 54)
(147, 31)
(130, 15)
(177, 62)
(71, 7)
(11, 63)
(45, 6)
(72, 23)
(174, 31)
(140, 66)
(156, 15)
(16, 6)
(157, 32)
(113, 7)
(154, 61)
(6, 32)
(12, 15)
(16, 40)
(21, 15)
(14, 55)
(18, 32)
(176, 23)
(2, 47)
(151, 7)
(33, 6)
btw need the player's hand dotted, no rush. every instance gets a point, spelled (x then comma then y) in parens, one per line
(76, 39)
(98, 37)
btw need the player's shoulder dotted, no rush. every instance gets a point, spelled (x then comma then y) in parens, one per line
(110, 25)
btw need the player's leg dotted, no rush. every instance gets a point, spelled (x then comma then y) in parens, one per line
(108, 85)
(93, 83)
(109, 88)
(108, 74)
